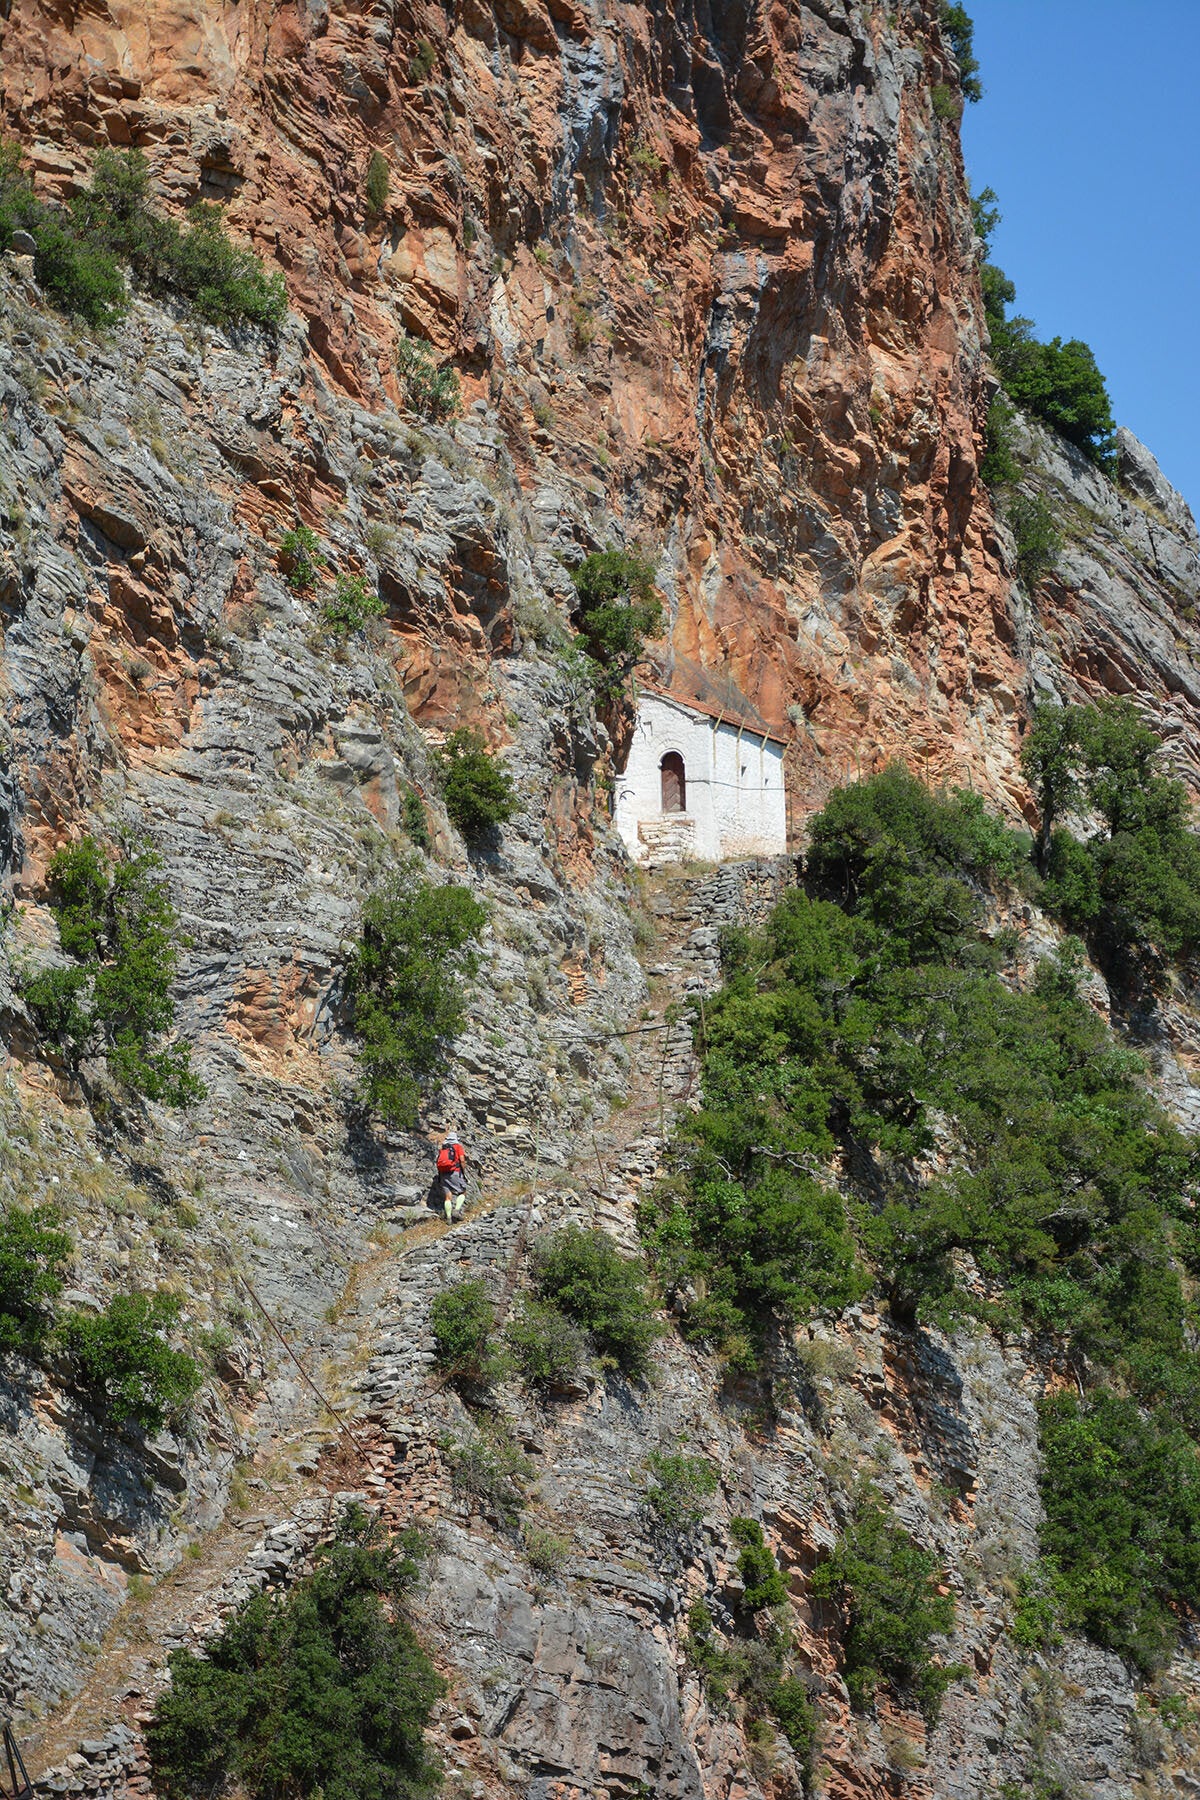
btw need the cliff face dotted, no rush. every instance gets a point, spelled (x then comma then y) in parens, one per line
(708, 277)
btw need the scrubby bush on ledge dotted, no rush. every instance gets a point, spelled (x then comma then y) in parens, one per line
(887, 1588)
(406, 984)
(32, 1252)
(117, 921)
(476, 785)
(80, 248)
(584, 1275)
(122, 1355)
(322, 1690)
(618, 612)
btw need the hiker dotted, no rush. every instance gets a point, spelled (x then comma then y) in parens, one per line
(452, 1175)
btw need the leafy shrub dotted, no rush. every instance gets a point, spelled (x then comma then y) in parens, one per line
(1136, 892)
(57, 1000)
(32, 1253)
(423, 61)
(115, 917)
(378, 182)
(1000, 467)
(122, 1355)
(584, 1276)
(300, 557)
(618, 612)
(416, 825)
(887, 1588)
(492, 1473)
(762, 1579)
(959, 32)
(945, 103)
(797, 1719)
(550, 1350)
(406, 983)
(351, 605)
(1036, 536)
(78, 277)
(79, 248)
(432, 392)
(750, 1674)
(476, 785)
(1121, 1493)
(462, 1321)
(546, 1551)
(682, 1488)
(323, 1689)
(224, 283)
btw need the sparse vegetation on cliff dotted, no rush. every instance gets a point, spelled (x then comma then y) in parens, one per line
(123, 1356)
(322, 1689)
(118, 924)
(888, 1589)
(959, 31)
(585, 1277)
(430, 391)
(478, 790)
(80, 247)
(406, 983)
(618, 611)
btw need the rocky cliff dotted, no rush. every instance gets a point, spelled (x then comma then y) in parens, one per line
(708, 277)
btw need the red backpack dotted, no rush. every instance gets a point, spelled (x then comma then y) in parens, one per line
(449, 1158)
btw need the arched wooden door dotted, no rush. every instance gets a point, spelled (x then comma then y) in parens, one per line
(674, 783)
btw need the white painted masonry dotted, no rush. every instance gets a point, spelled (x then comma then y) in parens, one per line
(735, 803)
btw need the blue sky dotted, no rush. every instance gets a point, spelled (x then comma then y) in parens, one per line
(1088, 132)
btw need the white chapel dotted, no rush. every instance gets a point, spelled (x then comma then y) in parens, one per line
(704, 777)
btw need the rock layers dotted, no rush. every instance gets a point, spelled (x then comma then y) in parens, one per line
(708, 278)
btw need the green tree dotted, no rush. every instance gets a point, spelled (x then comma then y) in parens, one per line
(32, 1252)
(116, 918)
(378, 182)
(549, 1349)
(763, 1584)
(478, 790)
(999, 467)
(681, 1489)
(323, 1689)
(122, 1355)
(406, 982)
(1124, 780)
(618, 611)
(1036, 537)
(585, 1277)
(351, 606)
(300, 557)
(887, 1589)
(1051, 762)
(959, 31)
(1121, 1493)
